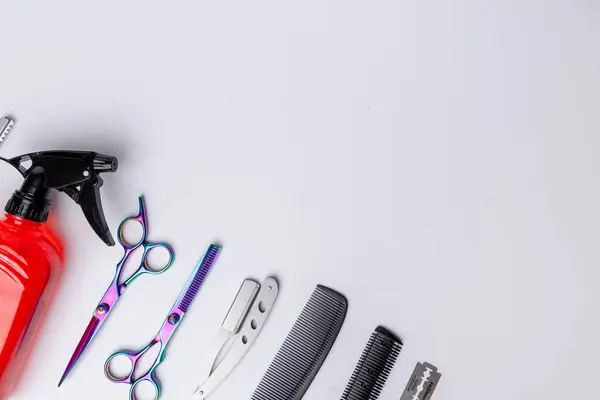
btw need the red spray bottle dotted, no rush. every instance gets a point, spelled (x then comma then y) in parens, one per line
(30, 253)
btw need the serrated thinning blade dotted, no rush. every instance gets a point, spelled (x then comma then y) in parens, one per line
(6, 125)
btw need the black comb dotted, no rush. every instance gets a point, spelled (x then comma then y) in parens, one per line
(305, 348)
(374, 366)
(200, 273)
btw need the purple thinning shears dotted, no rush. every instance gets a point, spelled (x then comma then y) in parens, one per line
(166, 332)
(120, 283)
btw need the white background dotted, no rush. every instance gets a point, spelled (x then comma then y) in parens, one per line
(436, 162)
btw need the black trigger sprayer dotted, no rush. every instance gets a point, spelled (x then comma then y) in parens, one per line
(75, 173)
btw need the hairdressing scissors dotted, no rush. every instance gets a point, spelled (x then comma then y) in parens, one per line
(120, 282)
(135, 377)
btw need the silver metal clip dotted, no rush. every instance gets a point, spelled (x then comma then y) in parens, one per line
(239, 330)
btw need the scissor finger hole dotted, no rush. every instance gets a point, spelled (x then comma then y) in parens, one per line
(132, 233)
(145, 390)
(119, 367)
(157, 259)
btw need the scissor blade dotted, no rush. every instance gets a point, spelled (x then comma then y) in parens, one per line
(84, 342)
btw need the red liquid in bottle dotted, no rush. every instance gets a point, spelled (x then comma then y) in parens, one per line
(30, 270)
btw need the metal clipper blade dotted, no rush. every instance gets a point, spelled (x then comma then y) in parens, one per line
(6, 124)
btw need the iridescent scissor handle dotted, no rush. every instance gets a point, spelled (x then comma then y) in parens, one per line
(131, 378)
(129, 248)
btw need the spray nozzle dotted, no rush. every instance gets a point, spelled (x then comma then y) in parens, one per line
(75, 173)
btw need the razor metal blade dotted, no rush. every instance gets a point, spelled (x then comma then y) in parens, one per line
(422, 383)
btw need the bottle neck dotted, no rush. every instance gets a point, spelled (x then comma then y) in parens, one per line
(21, 222)
(32, 200)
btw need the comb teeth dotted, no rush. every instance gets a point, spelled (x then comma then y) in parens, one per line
(6, 125)
(305, 348)
(374, 366)
(205, 265)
